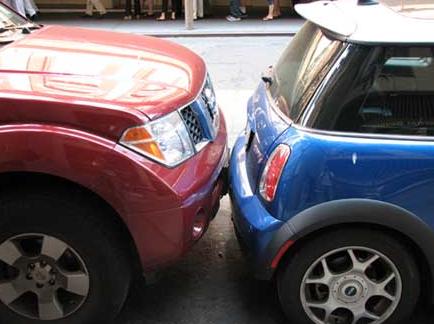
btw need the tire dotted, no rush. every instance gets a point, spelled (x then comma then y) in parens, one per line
(35, 218)
(307, 263)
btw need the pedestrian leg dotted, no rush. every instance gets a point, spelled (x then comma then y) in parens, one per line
(127, 10)
(200, 11)
(137, 8)
(165, 5)
(195, 3)
(150, 4)
(18, 5)
(29, 9)
(89, 8)
(176, 8)
(234, 8)
(99, 6)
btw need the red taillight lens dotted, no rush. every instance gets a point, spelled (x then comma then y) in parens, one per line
(272, 172)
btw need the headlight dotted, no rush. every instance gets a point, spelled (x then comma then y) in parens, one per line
(165, 140)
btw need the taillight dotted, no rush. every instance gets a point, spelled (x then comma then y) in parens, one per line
(272, 171)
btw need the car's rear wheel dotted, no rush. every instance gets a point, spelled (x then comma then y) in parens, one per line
(350, 276)
(60, 261)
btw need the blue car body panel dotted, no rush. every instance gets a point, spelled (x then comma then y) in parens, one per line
(325, 167)
(397, 173)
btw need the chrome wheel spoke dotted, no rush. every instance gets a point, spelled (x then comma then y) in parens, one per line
(361, 265)
(328, 275)
(10, 292)
(49, 307)
(77, 283)
(9, 252)
(318, 281)
(363, 313)
(328, 307)
(325, 279)
(380, 288)
(52, 247)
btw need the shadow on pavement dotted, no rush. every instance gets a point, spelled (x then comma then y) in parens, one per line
(211, 285)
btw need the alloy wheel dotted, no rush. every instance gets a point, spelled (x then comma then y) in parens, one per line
(42, 277)
(352, 285)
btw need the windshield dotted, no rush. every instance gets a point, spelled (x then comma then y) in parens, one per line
(9, 18)
(301, 68)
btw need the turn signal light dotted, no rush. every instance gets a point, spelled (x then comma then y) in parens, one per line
(272, 172)
(140, 138)
(165, 140)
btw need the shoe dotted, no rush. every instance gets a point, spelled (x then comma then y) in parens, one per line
(128, 17)
(232, 18)
(162, 17)
(86, 16)
(243, 15)
(137, 17)
(267, 18)
(173, 16)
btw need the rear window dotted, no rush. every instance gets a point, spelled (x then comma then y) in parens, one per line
(392, 92)
(301, 68)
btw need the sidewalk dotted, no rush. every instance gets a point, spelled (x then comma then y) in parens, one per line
(422, 9)
(211, 27)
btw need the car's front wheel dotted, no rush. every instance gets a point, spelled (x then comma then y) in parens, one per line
(349, 276)
(60, 260)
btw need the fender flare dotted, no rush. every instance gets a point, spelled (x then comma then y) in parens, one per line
(347, 212)
(97, 164)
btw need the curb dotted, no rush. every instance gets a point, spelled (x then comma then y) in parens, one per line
(205, 34)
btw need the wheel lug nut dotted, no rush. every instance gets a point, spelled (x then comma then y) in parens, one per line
(43, 263)
(52, 282)
(31, 266)
(29, 276)
(38, 285)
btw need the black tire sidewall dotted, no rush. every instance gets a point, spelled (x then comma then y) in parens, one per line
(77, 224)
(293, 270)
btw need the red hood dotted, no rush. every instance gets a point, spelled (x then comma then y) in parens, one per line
(102, 69)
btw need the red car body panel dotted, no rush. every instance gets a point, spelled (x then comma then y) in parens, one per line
(102, 69)
(66, 97)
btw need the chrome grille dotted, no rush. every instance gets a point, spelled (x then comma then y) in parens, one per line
(193, 125)
(201, 117)
(211, 107)
(209, 100)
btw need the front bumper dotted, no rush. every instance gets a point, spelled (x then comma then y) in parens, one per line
(161, 206)
(257, 228)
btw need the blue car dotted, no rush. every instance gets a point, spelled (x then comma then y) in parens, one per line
(332, 180)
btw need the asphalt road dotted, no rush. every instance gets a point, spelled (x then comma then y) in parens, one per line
(212, 284)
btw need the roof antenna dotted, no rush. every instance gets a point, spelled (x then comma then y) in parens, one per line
(367, 2)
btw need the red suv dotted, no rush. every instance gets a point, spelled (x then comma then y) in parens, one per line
(113, 156)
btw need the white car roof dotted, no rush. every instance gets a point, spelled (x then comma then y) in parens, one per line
(369, 24)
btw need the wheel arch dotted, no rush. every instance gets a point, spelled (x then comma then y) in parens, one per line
(16, 182)
(394, 220)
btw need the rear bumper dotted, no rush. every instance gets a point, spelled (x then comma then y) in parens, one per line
(256, 227)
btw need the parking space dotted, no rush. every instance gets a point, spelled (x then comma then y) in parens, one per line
(212, 284)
